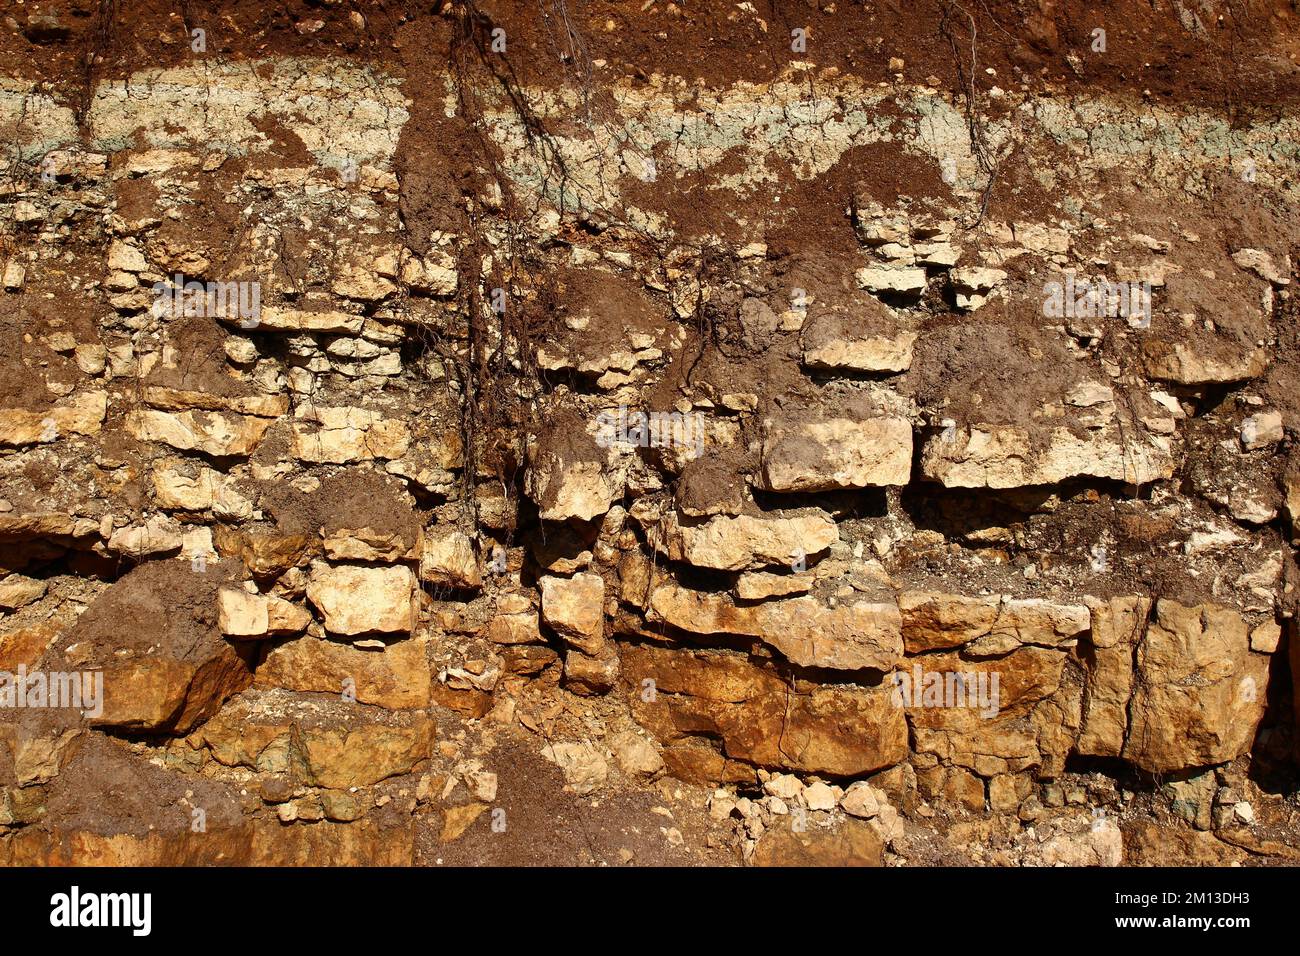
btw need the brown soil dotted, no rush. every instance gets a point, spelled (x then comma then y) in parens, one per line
(345, 500)
(133, 796)
(1245, 54)
(200, 361)
(545, 825)
(990, 373)
(161, 607)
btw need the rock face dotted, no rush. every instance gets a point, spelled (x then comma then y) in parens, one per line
(1007, 457)
(836, 453)
(734, 543)
(184, 488)
(387, 441)
(837, 342)
(1117, 628)
(852, 843)
(986, 625)
(241, 614)
(702, 696)
(255, 732)
(217, 434)
(1291, 491)
(170, 669)
(396, 677)
(568, 476)
(341, 435)
(1031, 723)
(356, 600)
(807, 632)
(82, 416)
(227, 837)
(448, 558)
(575, 608)
(583, 766)
(1184, 366)
(1200, 691)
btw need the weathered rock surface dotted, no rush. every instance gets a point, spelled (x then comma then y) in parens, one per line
(747, 437)
(986, 625)
(82, 416)
(1118, 627)
(1200, 691)
(449, 557)
(1006, 457)
(699, 696)
(866, 634)
(1033, 725)
(835, 342)
(218, 434)
(835, 453)
(341, 435)
(583, 765)
(357, 600)
(851, 843)
(397, 676)
(575, 608)
(154, 636)
(244, 615)
(328, 751)
(735, 543)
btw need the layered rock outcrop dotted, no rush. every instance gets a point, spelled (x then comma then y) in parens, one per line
(386, 434)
